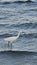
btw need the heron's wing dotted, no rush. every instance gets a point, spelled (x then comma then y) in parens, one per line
(10, 39)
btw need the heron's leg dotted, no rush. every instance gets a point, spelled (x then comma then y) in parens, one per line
(11, 45)
(8, 43)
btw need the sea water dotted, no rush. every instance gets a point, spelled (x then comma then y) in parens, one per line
(15, 17)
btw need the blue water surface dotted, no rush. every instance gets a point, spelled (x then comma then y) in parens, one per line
(15, 17)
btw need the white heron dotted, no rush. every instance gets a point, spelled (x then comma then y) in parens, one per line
(12, 39)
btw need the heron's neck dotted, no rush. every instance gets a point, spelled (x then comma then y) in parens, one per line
(18, 35)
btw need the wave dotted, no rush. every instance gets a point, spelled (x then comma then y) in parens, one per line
(32, 9)
(5, 35)
(24, 35)
(18, 2)
(23, 2)
(19, 52)
(24, 25)
(30, 35)
(5, 3)
(1, 25)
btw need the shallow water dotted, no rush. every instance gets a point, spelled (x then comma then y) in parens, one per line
(17, 58)
(18, 17)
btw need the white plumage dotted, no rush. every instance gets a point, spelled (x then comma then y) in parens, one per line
(12, 39)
